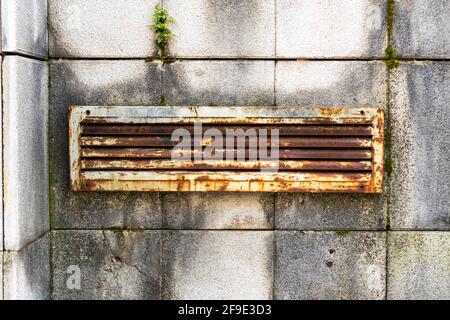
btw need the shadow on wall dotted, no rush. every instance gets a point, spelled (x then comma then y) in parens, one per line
(325, 83)
(348, 87)
(90, 83)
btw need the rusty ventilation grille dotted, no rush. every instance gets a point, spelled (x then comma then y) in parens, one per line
(320, 149)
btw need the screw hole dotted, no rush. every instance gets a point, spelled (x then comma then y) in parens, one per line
(88, 112)
(362, 112)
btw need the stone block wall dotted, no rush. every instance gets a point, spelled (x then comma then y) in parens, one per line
(259, 245)
(25, 215)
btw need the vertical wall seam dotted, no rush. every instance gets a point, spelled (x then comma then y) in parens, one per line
(161, 243)
(274, 261)
(388, 182)
(161, 266)
(275, 60)
(3, 181)
(274, 244)
(49, 196)
(390, 16)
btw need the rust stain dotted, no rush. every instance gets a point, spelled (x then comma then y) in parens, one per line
(329, 150)
(331, 111)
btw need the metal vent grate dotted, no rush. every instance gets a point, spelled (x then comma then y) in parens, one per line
(317, 149)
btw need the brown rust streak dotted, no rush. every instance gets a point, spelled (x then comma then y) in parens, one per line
(293, 142)
(287, 130)
(331, 111)
(125, 153)
(348, 138)
(325, 120)
(225, 165)
(226, 186)
(376, 184)
(153, 153)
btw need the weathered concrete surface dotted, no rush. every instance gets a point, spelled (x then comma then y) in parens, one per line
(330, 265)
(27, 272)
(331, 83)
(203, 264)
(421, 146)
(330, 212)
(24, 27)
(98, 83)
(330, 29)
(25, 125)
(1, 274)
(336, 84)
(421, 28)
(219, 83)
(218, 211)
(419, 265)
(222, 28)
(112, 264)
(217, 264)
(1, 162)
(101, 28)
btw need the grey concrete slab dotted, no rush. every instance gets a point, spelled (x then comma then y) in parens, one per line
(421, 146)
(101, 28)
(222, 28)
(218, 211)
(1, 160)
(25, 154)
(419, 265)
(132, 82)
(302, 211)
(219, 83)
(421, 28)
(27, 272)
(330, 265)
(106, 265)
(1, 274)
(331, 83)
(331, 29)
(203, 265)
(24, 27)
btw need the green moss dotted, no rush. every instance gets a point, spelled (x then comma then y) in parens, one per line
(390, 15)
(342, 233)
(161, 27)
(390, 55)
(388, 216)
(388, 166)
(391, 62)
(162, 100)
(391, 58)
(388, 162)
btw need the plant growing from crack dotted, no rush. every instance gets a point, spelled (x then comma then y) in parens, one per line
(161, 27)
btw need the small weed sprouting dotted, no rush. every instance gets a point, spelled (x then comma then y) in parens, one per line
(163, 33)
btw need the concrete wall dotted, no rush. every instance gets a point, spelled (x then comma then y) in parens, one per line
(25, 216)
(263, 246)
